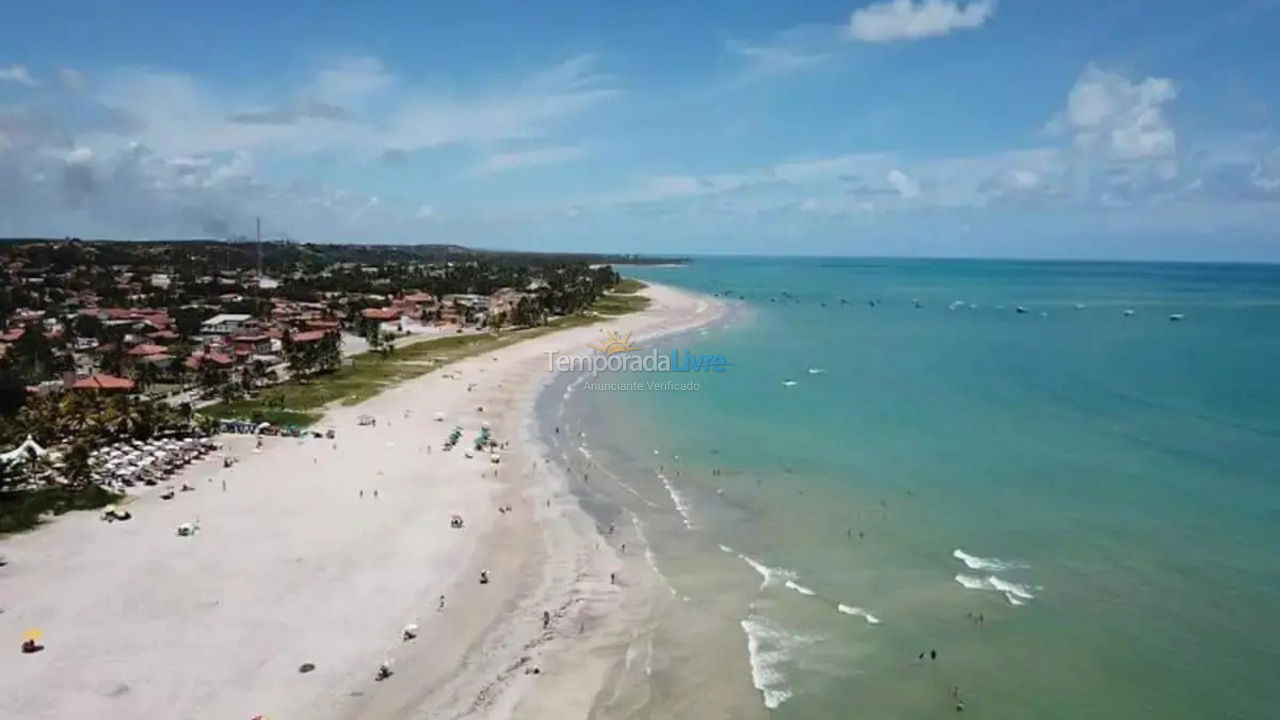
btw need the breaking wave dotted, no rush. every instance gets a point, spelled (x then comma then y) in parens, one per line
(975, 562)
(677, 499)
(1015, 593)
(858, 612)
(769, 648)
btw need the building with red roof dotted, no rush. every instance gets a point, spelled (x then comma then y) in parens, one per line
(146, 349)
(103, 383)
(309, 336)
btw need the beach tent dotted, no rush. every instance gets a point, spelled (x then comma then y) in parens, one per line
(28, 449)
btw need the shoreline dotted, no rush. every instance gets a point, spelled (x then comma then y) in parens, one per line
(322, 551)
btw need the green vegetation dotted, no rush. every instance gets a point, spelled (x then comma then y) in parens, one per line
(628, 286)
(91, 419)
(622, 304)
(24, 509)
(302, 403)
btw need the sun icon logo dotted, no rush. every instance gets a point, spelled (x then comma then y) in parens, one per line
(613, 342)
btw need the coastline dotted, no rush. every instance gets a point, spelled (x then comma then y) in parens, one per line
(297, 562)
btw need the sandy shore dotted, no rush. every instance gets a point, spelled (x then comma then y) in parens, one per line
(317, 551)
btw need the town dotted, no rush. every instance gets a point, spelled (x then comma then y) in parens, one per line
(104, 341)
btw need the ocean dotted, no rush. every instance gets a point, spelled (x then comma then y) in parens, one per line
(1019, 487)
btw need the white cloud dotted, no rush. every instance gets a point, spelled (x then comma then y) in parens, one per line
(512, 160)
(172, 154)
(892, 20)
(79, 156)
(71, 79)
(530, 109)
(18, 74)
(369, 205)
(777, 59)
(1126, 120)
(903, 183)
(351, 81)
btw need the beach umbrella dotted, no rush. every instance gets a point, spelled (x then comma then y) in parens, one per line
(32, 635)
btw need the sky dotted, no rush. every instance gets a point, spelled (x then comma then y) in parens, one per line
(1116, 129)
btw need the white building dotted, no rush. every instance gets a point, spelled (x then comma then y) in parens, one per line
(224, 324)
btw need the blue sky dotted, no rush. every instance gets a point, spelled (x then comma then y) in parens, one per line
(1024, 128)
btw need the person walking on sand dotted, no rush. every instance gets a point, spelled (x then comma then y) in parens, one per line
(546, 619)
(441, 607)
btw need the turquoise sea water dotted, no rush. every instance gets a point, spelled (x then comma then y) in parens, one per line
(1102, 488)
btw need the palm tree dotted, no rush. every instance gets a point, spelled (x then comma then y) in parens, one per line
(144, 373)
(75, 464)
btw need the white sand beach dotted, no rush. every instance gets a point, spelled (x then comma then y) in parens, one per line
(318, 551)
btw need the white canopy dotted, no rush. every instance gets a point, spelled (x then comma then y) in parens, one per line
(28, 448)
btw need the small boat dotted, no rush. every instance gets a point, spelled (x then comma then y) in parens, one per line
(1177, 317)
(1020, 310)
(788, 383)
(1128, 313)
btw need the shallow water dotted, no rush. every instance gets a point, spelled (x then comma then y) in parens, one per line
(1101, 488)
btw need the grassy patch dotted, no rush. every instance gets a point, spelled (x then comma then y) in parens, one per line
(628, 286)
(621, 304)
(24, 509)
(302, 403)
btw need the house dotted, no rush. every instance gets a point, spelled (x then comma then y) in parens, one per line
(156, 354)
(224, 324)
(219, 362)
(389, 319)
(252, 343)
(309, 336)
(461, 307)
(504, 301)
(103, 383)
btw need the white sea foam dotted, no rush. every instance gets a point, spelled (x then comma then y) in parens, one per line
(648, 657)
(769, 648)
(726, 548)
(859, 612)
(816, 371)
(648, 552)
(768, 575)
(975, 562)
(573, 386)
(677, 499)
(973, 582)
(1015, 593)
(1011, 589)
(800, 588)
(788, 383)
